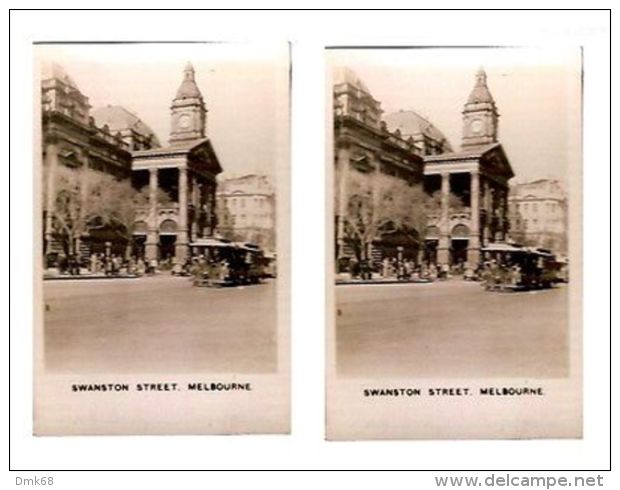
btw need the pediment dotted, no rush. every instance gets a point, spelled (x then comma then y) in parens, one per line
(203, 158)
(496, 162)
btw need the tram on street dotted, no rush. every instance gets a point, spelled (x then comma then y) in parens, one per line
(511, 267)
(219, 262)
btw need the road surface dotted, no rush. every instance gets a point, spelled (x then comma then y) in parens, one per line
(158, 324)
(450, 329)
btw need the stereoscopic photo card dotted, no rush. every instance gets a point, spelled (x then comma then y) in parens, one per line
(162, 251)
(454, 231)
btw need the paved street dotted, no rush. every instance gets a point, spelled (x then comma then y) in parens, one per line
(451, 329)
(159, 324)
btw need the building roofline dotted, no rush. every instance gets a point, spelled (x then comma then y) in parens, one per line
(474, 152)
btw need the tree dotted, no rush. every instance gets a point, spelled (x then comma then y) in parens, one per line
(85, 199)
(80, 202)
(379, 204)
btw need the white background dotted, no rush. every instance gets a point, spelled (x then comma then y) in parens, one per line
(309, 32)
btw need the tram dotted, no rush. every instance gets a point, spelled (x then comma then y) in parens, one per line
(512, 267)
(220, 262)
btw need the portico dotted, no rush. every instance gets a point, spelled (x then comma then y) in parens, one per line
(184, 174)
(187, 174)
(479, 177)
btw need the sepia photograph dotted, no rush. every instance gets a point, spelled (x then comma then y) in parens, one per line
(370, 241)
(454, 176)
(163, 179)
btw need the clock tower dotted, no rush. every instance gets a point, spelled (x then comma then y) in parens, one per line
(188, 112)
(480, 116)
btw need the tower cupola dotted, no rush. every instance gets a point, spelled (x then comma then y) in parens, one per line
(480, 115)
(188, 111)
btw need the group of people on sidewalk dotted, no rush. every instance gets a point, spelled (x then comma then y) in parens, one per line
(98, 264)
(404, 269)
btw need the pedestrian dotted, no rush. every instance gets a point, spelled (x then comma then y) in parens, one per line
(93, 263)
(72, 264)
(140, 267)
(468, 273)
(408, 269)
(353, 268)
(199, 271)
(152, 268)
(131, 266)
(224, 270)
(366, 270)
(432, 271)
(445, 270)
(385, 267)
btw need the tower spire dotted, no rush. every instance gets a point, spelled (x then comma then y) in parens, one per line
(480, 116)
(480, 93)
(189, 115)
(188, 88)
(189, 71)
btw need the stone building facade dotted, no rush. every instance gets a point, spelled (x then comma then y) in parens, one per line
(478, 174)
(539, 214)
(409, 147)
(114, 141)
(71, 138)
(187, 170)
(365, 148)
(247, 210)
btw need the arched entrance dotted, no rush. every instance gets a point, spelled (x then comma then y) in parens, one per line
(459, 242)
(139, 239)
(167, 239)
(430, 245)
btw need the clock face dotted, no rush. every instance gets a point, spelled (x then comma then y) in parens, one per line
(184, 121)
(476, 126)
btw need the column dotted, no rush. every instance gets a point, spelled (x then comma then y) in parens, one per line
(51, 157)
(151, 245)
(212, 206)
(499, 211)
(506, 227)
(205, 212)
(193, 226)
(473, 247)
(181, 245)
(488, 212)
(443, 248)
(343, 164)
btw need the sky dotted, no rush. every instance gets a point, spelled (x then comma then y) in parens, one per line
(245, 88)
(537, 92)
